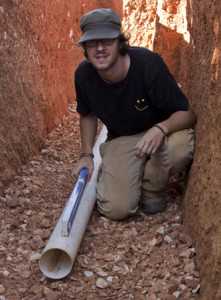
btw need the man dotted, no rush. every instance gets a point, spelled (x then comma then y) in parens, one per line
(147, 116)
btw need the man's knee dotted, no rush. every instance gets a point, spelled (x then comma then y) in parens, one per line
(114, 210)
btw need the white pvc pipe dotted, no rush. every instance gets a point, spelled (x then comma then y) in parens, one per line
(59, 254)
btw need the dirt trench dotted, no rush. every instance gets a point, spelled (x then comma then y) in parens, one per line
(36, 66)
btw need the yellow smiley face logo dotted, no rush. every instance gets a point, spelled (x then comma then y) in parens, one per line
(141, 104)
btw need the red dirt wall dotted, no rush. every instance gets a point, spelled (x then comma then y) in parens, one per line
(203, 198)
(38, 54)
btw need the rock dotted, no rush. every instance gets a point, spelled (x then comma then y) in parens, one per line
(2, 289)
(196, 290)
(9, 258)
(185, 239)
(189, 268)
(49, 294)
(156, 241)
(152, 297)
(35, 256)
(36, 289)
(36, 242)
(177, 294)
(25, 274)
(183, 287)
(191, 282)
(5, 273)
(45, 223)
(176, 262)
(88, 274)
(101, 283)
(101, 273)
(110, 279)
(168, 239)
(186, 253)
(161, 230)
(12, 202)
(172, 288)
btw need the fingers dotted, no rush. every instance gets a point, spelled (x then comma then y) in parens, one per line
(149, 143)
(83, 162)
(146, 148)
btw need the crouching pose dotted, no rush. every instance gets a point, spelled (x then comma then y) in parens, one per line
(148, 118)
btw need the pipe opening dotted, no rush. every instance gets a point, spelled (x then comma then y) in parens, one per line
(55, 264)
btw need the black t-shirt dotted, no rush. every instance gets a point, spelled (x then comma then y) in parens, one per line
(148, 95)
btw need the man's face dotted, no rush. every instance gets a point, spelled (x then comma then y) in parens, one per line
(103, 54)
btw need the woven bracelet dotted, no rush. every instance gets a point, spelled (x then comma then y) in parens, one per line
(161, 129)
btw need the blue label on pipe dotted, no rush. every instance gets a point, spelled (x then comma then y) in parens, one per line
(80, 185)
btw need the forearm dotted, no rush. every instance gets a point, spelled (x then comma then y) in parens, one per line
(88, 130)
(178, 121)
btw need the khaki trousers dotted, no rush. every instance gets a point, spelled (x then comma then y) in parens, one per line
(125, 180)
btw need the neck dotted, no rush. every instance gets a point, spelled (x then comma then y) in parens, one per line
(118, 71)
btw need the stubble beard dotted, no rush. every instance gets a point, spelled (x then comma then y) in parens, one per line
(109, 61)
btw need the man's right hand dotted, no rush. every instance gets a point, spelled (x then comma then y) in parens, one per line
(85, 161)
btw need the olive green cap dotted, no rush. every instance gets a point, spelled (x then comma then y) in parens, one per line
(102, 23)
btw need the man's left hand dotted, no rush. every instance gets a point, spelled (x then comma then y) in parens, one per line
(150, 142)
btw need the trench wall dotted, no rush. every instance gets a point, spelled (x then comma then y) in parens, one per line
(38, 54)
(203, 198)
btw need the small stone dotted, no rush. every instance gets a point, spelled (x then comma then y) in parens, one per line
(183, 287)
(191, 282)
(156, 241)
(36, 242)
(2, 289)
(29, 212)
(161, 230)
(168, 239)
(189, 268)
(36, 289)
(44, 151)
(185, 239)
(101, 273)
(167, 276)
(45, 223)
(177, 294)
(49, 294)
(25, 274)
(196, 290)
(101, 283)
(186, 253)
(88, 274)
(110, 279)
(12, 202)
(35, 256)
(5, 273)
(172, 288)
(9, 258)
(152, 297)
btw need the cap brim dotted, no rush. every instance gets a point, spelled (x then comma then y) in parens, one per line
(97, 34)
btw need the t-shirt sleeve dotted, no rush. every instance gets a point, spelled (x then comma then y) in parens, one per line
(81, 98)
(163, 91)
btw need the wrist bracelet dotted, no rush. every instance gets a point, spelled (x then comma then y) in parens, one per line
(161, 129)
(91, 155)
